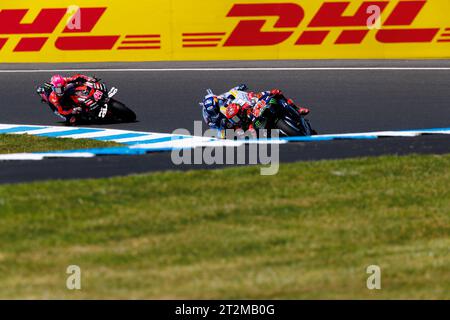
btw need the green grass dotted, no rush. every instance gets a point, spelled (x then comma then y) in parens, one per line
(308, 232)
(15, 143)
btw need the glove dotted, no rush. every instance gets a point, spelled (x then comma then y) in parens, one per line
(242, 87)
(77, 110)
(275, 92)
(40, 90)
(224, 124)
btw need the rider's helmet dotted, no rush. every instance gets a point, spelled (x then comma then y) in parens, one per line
(58, 84)
(211, 104)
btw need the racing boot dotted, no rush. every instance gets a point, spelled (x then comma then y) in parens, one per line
(302, 111)
(252, 131)
(72, 121)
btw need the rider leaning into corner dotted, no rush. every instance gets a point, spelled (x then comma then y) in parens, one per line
(242, 98)
(62, 89)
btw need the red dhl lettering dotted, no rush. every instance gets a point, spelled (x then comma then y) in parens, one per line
(47, 21)
(330, 14)
(248, 33)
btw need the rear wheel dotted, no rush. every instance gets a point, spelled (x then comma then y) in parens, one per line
(120, 111)
(289, 129)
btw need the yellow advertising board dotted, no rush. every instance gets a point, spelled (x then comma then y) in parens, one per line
(163, 30)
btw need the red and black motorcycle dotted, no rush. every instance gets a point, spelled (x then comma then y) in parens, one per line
(96, 103)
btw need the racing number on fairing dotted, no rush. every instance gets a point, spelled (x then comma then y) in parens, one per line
(103, 111)
(98, 95)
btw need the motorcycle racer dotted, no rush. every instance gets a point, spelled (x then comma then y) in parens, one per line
(82, 99)
(57, 98)
(211, 112)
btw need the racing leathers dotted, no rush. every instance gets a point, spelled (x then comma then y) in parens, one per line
(58, 101)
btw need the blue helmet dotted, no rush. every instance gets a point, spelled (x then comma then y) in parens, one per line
(211, 104)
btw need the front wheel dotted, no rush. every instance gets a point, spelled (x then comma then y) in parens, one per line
(121, 112)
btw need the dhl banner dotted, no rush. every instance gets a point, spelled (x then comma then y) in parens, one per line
(162, 30)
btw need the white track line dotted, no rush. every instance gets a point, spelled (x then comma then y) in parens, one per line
(41, 156)
(377, 133)
(234, 69)
(142, 138)
(21, 156)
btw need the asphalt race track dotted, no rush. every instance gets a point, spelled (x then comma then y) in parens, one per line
(344, 96)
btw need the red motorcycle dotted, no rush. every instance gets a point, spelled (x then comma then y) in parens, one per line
(96, 102)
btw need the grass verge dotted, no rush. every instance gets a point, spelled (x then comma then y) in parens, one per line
(24, 143)
(308, 232)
